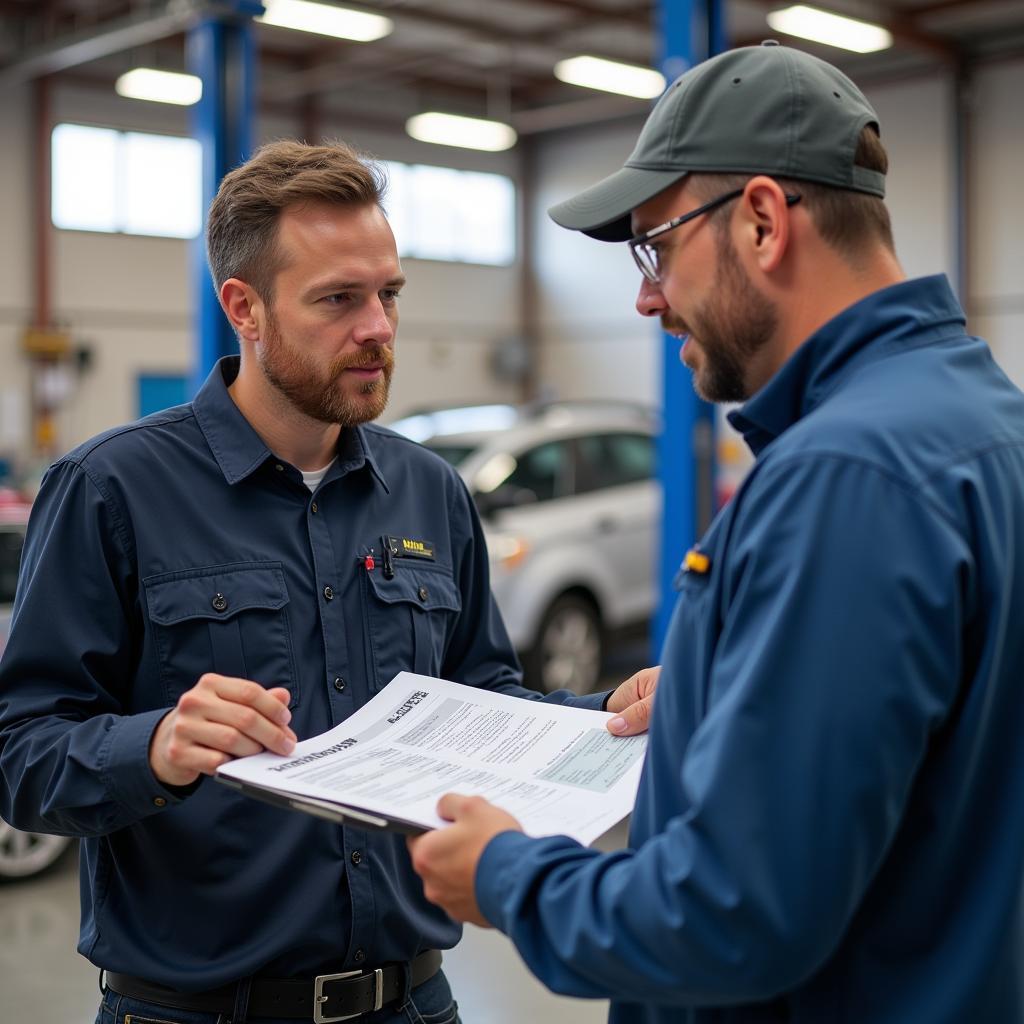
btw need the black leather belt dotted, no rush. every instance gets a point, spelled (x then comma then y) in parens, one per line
(327, 998)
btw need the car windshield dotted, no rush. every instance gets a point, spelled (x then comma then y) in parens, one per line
(453, 454)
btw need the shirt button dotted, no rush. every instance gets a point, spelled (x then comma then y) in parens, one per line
(314, 507)
(339, 684)
(329, 593)
(423, 593)
(159, 801)
(219, 602)
(357, 857)
(279, 468)
(359, 956)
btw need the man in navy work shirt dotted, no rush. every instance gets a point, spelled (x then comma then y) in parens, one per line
(829, 823)
(216, 580)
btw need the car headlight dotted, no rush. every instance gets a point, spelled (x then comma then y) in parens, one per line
(509, 551)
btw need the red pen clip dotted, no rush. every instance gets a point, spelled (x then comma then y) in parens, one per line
(369, 563)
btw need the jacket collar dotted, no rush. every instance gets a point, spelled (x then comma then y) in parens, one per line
(914, 312)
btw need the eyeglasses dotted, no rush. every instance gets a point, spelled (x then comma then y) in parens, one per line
(646, 255)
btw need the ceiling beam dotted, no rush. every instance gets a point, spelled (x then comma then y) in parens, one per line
(96, 41)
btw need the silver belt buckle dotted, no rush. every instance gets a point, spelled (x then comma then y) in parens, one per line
(319, 998)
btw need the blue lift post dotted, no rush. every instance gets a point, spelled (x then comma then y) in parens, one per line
(691, 31)
(220, 50)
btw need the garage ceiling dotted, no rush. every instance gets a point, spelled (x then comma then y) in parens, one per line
(476, 57)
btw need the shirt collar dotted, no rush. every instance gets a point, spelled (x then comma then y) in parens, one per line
(240, 451)
(924, 310)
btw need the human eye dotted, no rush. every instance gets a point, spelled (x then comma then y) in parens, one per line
(336, 298)
(390, 295)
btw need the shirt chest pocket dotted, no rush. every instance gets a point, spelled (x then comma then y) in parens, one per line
(409, 619)
(229, 619)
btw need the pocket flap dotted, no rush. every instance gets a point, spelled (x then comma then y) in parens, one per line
(216, 592)
(428, 589)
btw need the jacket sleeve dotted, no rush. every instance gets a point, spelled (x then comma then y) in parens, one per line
(479, 650)
(73, 759)
(839, 655)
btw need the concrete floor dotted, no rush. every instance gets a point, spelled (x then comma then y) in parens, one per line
(43, 980)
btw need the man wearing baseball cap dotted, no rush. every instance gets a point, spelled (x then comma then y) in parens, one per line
(828, 827)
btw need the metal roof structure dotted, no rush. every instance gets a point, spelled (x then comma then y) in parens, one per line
(484, 58)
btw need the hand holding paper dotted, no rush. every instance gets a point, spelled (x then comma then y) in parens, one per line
(632, 701)
(446, 858)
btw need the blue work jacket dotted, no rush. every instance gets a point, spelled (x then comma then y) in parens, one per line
(829, 826)
(180, 545)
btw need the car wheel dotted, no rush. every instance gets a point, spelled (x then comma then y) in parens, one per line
(569, 647)
(27, 853)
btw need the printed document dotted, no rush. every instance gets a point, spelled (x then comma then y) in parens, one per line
(557, 769)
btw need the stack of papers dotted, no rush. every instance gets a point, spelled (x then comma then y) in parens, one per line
(557, 769)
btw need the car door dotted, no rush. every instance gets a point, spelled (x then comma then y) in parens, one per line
(617, 505)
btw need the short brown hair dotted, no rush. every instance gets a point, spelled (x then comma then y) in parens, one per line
(241, 232)
(851, 222)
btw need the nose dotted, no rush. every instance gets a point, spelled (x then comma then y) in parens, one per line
(649, 300)
(375, 325)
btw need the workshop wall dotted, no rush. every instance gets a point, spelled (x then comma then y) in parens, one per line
(127, 299)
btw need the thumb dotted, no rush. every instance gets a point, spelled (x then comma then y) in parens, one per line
(634, 719)
(453, 806)
(281, 694)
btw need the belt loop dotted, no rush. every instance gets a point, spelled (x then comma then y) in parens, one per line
(241, 1011)
(406, 989)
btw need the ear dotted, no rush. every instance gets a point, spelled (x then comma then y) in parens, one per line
(243, 307)
(764, 222)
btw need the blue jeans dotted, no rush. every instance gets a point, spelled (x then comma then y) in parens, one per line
(429, 1003)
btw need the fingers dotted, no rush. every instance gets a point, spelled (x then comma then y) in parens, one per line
(183, 760)
(446, 858)
(218, 719)
(263, 721)
(453, 806)
(639, 685)
(267, 703)
(634, 719)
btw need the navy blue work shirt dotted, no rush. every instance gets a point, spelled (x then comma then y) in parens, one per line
(180, 545)
(829, 826)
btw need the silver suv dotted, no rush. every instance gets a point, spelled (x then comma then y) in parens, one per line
(570, 507)
(21, 853)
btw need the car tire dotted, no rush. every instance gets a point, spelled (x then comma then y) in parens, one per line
(569, 647)
(23, 854)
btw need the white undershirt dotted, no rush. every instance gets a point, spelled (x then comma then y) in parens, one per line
(312, 479)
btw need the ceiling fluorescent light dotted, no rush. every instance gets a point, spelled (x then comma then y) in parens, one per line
(465, 132)
(831, 29)
(160, 86)
(611, 76)
(326, 20)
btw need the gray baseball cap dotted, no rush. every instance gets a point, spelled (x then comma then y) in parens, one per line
(765, 109)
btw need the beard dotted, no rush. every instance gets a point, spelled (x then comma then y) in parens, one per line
(322, 394)
(729, 329)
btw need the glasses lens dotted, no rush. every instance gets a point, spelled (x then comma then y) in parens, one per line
(646, 258)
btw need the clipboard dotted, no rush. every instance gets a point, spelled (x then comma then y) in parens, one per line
(340, 814)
